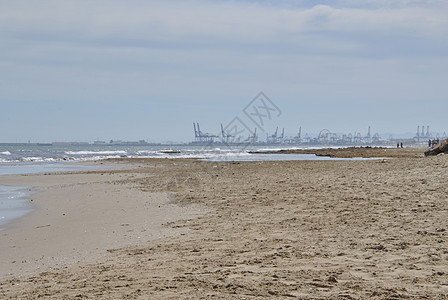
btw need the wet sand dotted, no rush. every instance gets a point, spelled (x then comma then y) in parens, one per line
(299, 229)
(78, 217)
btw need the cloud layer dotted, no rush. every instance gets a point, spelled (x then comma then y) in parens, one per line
(375, 52)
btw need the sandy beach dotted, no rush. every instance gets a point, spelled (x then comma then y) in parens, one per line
(189, 229)
(79, 217)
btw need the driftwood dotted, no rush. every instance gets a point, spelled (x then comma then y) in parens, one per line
(440, 148)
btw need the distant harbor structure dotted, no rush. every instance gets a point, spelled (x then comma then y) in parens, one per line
(421, 135)
(203, 138)
(231, 135)
(325, 137)
(223, 138)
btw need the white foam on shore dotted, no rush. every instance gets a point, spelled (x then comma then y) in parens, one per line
(79, 155)
(38, 159)
(96, 152)
(143, 152)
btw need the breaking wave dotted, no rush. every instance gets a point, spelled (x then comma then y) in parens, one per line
(49, 155)
(96, 152)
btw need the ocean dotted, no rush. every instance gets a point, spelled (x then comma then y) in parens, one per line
(50, 154)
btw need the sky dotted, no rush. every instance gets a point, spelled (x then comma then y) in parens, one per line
(83, 70)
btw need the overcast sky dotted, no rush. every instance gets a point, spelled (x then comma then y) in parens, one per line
(139, 69)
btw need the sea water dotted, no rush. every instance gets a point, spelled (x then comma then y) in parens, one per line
(51, 154)
(14, 204)
(14, 201)
(45, 155)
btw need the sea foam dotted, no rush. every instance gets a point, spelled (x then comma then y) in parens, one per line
(96, 152)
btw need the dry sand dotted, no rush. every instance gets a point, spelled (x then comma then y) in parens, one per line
(303, 229)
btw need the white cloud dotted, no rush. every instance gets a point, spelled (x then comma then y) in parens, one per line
(197, 22)
(118, 49)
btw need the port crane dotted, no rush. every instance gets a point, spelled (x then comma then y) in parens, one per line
(201, 137)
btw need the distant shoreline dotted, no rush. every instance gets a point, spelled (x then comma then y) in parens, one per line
(351, 152)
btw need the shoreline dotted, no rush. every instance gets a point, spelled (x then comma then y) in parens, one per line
(274, 229)
(14, 201)
(90, 208)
